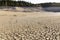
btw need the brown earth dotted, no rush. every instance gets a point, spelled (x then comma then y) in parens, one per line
(29, 25)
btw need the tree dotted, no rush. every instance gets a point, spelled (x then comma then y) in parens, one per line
(6, 2)
(46, 4)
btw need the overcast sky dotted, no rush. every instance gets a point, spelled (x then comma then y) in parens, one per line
(41, 1)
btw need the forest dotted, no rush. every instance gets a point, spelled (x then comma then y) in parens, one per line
(17, 3)
(27, 4)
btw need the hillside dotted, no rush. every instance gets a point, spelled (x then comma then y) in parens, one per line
(27, 4)
(50, 4)
(17, 3)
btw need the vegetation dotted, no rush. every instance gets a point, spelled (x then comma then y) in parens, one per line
(27, 4)
(16, 3)
(50, 4)
(46, 4)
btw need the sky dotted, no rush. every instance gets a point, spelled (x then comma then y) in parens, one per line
(41, 1)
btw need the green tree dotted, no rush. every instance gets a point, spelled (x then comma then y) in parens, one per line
(6, 2)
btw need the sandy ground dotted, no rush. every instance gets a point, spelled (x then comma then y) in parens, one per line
(29, 25)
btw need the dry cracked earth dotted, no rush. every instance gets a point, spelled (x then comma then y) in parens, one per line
(29, 26)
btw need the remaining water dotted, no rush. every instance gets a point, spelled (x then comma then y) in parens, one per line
(54, 9)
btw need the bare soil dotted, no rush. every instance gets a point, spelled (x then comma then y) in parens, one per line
(29, 25)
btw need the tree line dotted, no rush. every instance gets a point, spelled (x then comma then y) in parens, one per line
(17, 3)
(27, 4)
(50, 4)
